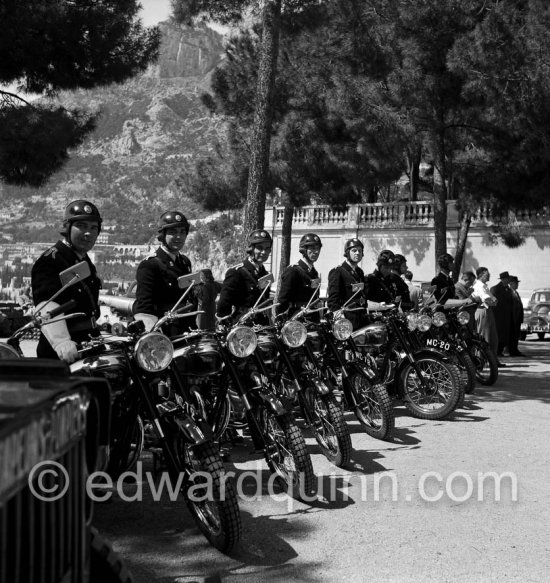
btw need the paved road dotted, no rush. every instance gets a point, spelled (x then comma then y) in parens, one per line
(430, 529)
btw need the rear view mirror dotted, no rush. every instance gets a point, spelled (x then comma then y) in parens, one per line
(266, 280)
(357, 287)
(75, 273)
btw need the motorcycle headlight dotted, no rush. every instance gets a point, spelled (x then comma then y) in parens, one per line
(424, 323)
(412, 321)
(463, 318)
(242, 341)
(439, 319)
(294, 333)
(154, 352)
(342, 328)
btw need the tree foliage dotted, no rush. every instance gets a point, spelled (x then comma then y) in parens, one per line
(51, 45)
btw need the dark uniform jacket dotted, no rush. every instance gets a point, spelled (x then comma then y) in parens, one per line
(400, 290)
(157, 288)
(240, 289)
(45, 282)
(298, 283)
(340, 289)
(378, 288)
(442, 281)
(503, 312)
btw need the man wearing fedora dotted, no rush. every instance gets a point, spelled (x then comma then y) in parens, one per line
(517, 317)
(503, 310)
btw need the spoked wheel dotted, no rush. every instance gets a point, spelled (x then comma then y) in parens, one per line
(286, 454)
(374, 408)
(485, 362)
(330, 429)
(434, 393)
(211, 497)
(126, 448)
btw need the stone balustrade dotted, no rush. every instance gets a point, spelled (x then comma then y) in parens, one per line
(395, 215)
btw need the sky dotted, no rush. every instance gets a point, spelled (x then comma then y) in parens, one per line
(155, 11)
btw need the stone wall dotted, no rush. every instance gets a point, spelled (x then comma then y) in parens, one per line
(407, 228)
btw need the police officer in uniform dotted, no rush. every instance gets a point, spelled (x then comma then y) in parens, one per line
(341, 281)
(81, 227)
(241, 288)
(378, 283)
(157, 288)
(299, 281)
(401, 291)
(443, 282)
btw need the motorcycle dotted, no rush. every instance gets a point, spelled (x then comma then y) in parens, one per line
(244, 397)
(424, 378)
(287, 353)
(355, 372)
(148, 385)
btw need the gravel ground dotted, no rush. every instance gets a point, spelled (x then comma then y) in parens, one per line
(353, 535)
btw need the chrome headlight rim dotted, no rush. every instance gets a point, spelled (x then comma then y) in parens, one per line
(424, 323)
(439, 319)
(242, 341)
(294, 334)
(463, 318)
(147, 346)
(342, 329)
(412, 321)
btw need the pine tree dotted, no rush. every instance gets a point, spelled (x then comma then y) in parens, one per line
(51, 45)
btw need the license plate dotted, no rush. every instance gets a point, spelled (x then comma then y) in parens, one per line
(539, 329)
(436, 343)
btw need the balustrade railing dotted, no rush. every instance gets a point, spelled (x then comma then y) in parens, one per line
(397, 215)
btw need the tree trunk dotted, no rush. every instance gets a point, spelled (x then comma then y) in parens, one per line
(440, 199)
(461, 239)
(286, 235)
(414, 156)
(261, 132)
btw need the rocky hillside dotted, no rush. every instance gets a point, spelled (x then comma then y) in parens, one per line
(151, 129)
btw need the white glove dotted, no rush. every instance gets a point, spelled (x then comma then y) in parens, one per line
(58, 335)
(148, 320)
(67, 351)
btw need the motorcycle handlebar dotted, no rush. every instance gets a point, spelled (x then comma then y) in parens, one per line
(62, 308)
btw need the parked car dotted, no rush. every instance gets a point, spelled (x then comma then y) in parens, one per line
(54, 429)
(536, 318)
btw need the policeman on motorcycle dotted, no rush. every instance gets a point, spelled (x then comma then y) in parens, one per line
(299, 281)
(81, 227)
(378, 283)
(343, 283)
(157, 289)
(242, 285)
(401, 291)
(444, 284)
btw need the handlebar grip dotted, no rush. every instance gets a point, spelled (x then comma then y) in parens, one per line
(71, 304)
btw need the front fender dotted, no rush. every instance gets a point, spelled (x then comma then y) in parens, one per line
(195, 432)
(263, 398)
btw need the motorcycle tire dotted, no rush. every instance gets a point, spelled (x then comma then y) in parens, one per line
(485, 362)
(216, 508)
(126, 448)
(439, 394)
(286, 454)
(374, 409)
(331, 430)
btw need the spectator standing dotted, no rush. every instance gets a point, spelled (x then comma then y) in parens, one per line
(465, 287)
(517, 317)
(503, 310)
(484, 316)
(415, 293)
